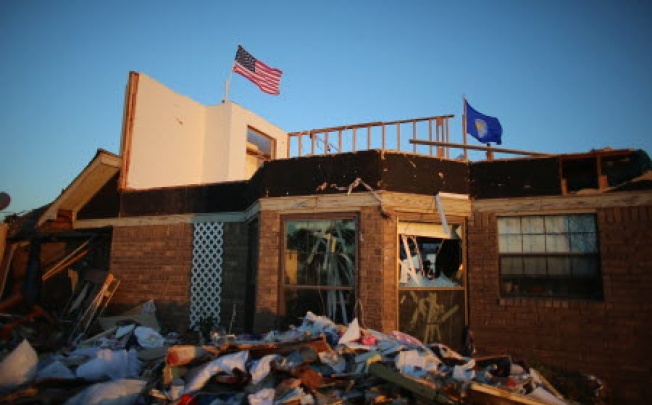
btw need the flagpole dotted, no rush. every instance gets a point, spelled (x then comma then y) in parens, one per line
(227, 85)
(464, 127)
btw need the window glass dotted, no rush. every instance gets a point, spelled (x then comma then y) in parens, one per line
(557, 243)
(299, 301)
(583, 266)
(532, 225)
(559, 266)
(534, 243)
(319, 267)
(260, 149)
(584, 242)
(534, 266)
(259, 142)
(558, 256)
(511, 265)
(509, 226)
(581, 223)
(510, 243)
(555, 224)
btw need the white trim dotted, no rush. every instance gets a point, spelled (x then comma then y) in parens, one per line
(85, 183)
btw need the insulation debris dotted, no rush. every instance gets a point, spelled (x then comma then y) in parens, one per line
(318, 362)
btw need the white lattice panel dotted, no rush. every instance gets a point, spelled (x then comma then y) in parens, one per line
(206, 279)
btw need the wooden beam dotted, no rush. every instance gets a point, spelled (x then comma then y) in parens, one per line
(128, 127)
(417, 388)
(579, 203)
(241, 216)
(486, 394)
(485, 148)
(368, 124)
(454, 204)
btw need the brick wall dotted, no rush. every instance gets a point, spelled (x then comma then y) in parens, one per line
(234, 276)
(609, 339)
(377, 270)
(267, 288)
(153, 262)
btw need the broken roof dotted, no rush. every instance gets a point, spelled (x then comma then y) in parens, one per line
(99, 170)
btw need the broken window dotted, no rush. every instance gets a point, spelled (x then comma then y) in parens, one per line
(550, 256)
(430, 257)
(431, 282)
(319, 268)
(260, 149)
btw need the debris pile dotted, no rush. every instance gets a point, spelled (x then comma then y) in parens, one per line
(318, 362)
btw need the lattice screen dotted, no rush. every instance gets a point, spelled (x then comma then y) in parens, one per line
(206, 280)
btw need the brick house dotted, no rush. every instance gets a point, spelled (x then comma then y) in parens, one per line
(216, 212)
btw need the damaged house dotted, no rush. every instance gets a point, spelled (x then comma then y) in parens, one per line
(221, 217)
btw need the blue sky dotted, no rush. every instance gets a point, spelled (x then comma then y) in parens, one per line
(562, 76)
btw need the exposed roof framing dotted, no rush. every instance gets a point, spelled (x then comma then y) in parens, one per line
(100, 169)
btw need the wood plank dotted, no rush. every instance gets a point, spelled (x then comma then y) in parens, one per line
(488, 395)
(582, 202)
(128, 128)
(240, 216)
(317, 203)
(490, 149)
(366, 124)
(414, 386)
(6, 256)
(454, 204)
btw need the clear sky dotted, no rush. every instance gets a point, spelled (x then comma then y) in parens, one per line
(562, 76)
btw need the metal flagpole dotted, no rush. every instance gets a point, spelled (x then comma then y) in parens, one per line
(466, 157)
(227, 85)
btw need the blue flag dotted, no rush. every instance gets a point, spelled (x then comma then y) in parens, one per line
(482, 127)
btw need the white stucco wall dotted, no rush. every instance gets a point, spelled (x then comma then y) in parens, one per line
(176, 141)
(226, 141)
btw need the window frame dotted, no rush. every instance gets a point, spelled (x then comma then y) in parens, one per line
(261, 156)
(433, 231)
(283, 286)
(428, 309)
(564, 253)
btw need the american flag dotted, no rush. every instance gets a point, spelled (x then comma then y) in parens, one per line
(265, 77)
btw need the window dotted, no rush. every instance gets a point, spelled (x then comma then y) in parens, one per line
(430, 262)
(431, 282)
(319, 268)
(549, 256)
(260, 149)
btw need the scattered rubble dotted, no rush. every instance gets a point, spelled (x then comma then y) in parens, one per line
(318, 362)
